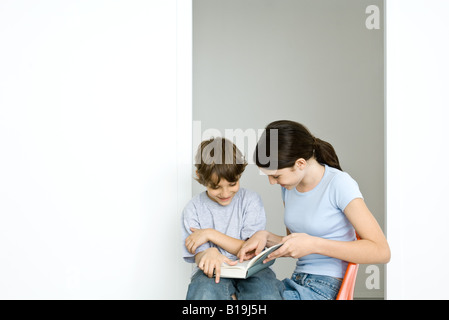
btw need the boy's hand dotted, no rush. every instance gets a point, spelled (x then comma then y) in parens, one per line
(210, 262)
(197, 238)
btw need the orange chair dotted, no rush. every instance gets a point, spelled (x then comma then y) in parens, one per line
(347, 286)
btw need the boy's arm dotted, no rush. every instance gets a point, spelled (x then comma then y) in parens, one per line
(200, 236)
(189, 220)
(230, 244)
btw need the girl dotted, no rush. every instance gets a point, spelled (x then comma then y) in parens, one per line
(323, 206)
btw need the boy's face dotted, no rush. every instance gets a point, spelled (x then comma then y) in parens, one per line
(223, 192)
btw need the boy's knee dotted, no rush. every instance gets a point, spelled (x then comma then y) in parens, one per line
(204, 288)
(262, 286)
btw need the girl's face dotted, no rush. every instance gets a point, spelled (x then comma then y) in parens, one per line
(288, 178)
(223, 192)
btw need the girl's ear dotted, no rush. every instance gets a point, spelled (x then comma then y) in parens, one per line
(301, 163)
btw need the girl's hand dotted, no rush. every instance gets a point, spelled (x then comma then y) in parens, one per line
(295, 245)
(197, 238)
(211, 261)
(253, 246)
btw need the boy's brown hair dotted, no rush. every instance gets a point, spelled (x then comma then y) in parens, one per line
(216, 159)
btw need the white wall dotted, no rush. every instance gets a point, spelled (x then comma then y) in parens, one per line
(92, 165)
(417, 152)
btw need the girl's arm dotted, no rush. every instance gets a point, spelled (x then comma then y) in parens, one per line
(372, 248)
(200, 236)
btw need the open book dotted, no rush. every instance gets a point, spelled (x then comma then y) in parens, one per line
(246, 269)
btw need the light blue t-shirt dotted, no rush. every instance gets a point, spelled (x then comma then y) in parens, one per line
(240, 219)
(319, 212)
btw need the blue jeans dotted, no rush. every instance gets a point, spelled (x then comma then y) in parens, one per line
(261, 286)
(304, 286)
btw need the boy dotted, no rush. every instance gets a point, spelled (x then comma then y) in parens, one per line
(217, 222)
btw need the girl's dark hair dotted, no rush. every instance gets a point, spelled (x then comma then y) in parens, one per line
(216, 159)
(293, 141)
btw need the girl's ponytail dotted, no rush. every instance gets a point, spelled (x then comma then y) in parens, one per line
(325, 154)
(294, 141)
